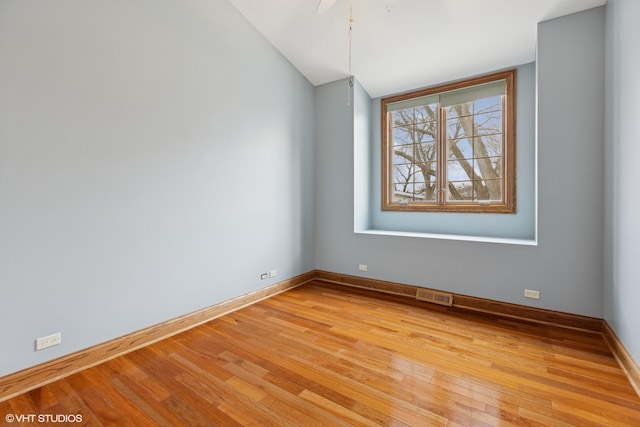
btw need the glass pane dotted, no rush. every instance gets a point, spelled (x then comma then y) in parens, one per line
(488, 104)
(410, 192)
(498, 193)
(426, 132)
(460, 127)
(400, 160)
(480, 166)
(430, 192)
(426, 171)
(414, 150)
(460, 148)
(402, 116)
(460, 191)
(454, 129)
(402, 173)
(456, 172)
(490, 189)
(419, 190)
(480, 191)
(404, 188)
(488, 123)
(403, 154)
(488, 167)
(492, 145)
(426, 151)
(403, 194)
(426, 113)
(402, 135)
(460, 110)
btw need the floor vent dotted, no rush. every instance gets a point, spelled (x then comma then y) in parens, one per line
(436, 297)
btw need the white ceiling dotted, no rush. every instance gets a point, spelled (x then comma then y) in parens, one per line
(404, 44)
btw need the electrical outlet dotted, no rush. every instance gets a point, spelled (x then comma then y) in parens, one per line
(531, 294)
(264, 276)
(48, 341)
(362, 267)
(273, 273)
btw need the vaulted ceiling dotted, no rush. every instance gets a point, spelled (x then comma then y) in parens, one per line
(404, 44)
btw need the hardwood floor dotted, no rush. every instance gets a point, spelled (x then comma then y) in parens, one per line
(324, 355)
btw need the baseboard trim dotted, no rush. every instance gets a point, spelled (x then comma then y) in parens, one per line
(528, 314)
(474, 304)
(26, 380)
(383, 286)
(626, 361)
(29, 379)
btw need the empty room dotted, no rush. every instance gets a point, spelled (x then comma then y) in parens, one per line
(319, 212)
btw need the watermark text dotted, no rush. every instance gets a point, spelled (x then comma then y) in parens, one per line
(43, 418)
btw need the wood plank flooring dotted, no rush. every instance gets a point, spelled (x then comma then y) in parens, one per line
(324, 355)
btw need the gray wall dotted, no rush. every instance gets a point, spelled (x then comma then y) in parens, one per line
(156, 156)
(152, 165)
(622, 267)
(566, 265)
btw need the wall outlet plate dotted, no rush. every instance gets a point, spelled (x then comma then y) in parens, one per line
(48, 341)
(528, 293)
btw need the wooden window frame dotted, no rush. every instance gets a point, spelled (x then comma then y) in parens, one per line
(508, 204)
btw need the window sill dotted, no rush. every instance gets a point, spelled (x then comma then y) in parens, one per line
(506, 241)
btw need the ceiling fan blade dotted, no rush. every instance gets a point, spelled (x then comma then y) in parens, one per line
(324, 6)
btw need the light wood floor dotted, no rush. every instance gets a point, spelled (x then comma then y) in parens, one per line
(322, 355)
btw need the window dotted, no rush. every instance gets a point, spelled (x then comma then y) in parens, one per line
(451, 148)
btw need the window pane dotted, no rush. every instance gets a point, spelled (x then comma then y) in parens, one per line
(402, 173)
(462, 190)
(488, 123)
(414, 146)
(488, 104)
(427, 131)
(488, 167)
(456, 171)
(419, 190)
(482, 168)
(404, 188)
(402, 154)
(480, 190)
(492, 190)
(459, 110)
(415, 192)
(402, 135)
(460, 148)
(426, 151)
(426, 171)
(403, 193)
(460, 127)
(400, 160)
(431, 193)
(492, 145)
(426, 113)
(402, 116)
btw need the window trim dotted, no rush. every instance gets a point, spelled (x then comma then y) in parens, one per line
(508, 204)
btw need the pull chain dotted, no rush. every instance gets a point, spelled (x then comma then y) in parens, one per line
(350, 85)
